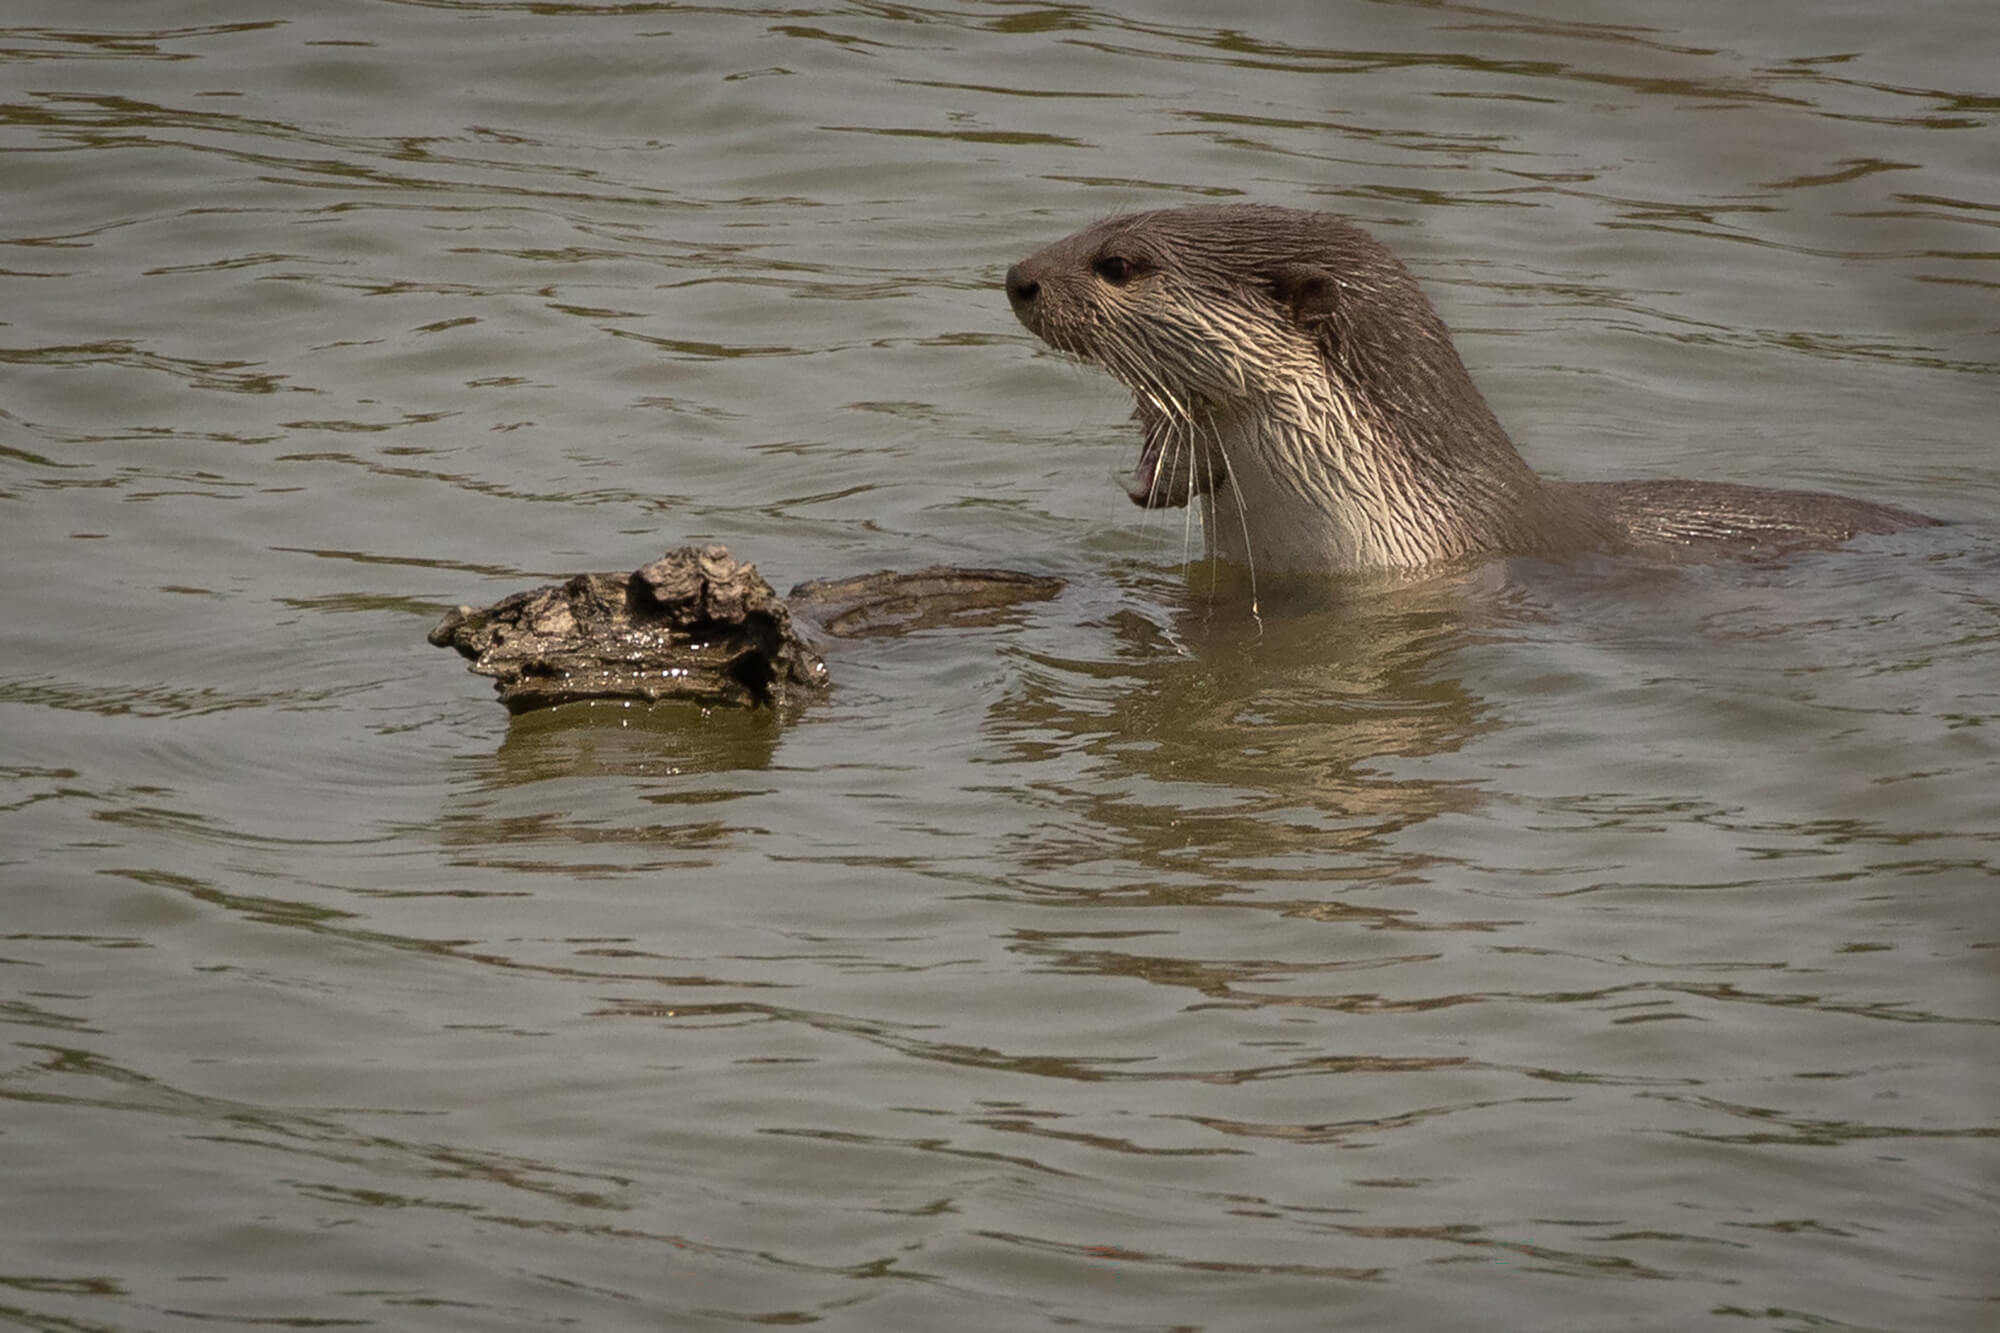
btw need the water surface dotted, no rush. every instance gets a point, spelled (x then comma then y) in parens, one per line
(1570, 946)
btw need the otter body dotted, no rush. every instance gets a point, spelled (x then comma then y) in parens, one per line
(1290, 375)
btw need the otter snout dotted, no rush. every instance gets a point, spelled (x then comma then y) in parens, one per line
(1022, 290)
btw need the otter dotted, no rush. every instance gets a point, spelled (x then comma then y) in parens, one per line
(1289, 374)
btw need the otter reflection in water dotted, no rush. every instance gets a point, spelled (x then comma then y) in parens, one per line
(1290, 374)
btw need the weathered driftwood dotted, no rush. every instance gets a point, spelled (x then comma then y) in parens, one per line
(883, 603)
(695, 624)
(698, 624)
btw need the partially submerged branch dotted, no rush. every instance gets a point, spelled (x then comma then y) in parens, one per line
(697, 624)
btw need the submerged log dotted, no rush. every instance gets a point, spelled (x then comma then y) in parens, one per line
(874, 605)
(700, 625)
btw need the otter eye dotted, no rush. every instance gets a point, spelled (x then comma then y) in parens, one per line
(1115, 269)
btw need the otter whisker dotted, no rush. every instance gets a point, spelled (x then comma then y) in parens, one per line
(1180, 430)
(1242, 521)
(1161, 433)
(1185, 441)
(1210, 502)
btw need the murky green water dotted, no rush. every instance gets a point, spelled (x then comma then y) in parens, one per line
(1588, 947)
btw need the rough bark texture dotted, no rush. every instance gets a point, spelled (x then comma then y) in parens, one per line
(695, 624)
(698, 624)
(884, 603)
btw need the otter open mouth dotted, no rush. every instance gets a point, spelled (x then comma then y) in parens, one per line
(1146, 487)
(1171, 471)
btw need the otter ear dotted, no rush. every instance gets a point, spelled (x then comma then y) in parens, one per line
(1307, 290)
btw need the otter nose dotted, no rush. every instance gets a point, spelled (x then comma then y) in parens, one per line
(1021, 289)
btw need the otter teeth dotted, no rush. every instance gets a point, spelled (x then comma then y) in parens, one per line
(1144, 484)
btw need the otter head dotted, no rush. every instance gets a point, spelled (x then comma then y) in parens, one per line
(1270, 339)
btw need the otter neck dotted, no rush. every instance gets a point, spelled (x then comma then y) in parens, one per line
(1322, 480)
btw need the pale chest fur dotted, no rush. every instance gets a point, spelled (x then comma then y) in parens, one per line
(1312, 486)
